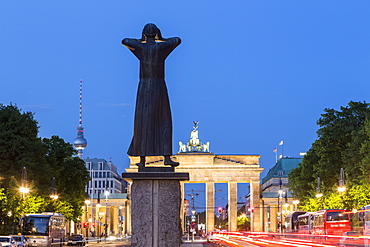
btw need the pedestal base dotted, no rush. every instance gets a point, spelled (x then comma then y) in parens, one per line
(155, 208)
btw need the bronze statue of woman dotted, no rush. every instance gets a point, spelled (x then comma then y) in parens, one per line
(153, 121)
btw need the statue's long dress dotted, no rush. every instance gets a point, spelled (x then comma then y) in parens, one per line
(153, 121)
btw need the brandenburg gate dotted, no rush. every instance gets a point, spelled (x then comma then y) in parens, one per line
(205, 167)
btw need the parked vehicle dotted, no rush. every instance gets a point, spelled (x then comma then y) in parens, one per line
(290, 222)
(331, 222)
(305, 223)
(364, 217)
(7, 241)
(76, 239)
(44, 229)
(20, 240)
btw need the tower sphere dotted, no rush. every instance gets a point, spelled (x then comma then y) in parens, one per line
(80, 143)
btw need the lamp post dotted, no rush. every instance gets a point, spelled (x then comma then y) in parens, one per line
(100, 216)
(341, 187)
(280, 196)
(24, 187)
(106, 193)
(295, 203)
(318, 194)
(193, 212)
(193, 209)
(53, 194)
(87, 202)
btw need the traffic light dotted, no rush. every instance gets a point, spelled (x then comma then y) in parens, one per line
(251, 209)
(219, 210)
(86, 224)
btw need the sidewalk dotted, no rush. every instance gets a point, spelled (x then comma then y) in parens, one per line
(197, 242)
(192, 244)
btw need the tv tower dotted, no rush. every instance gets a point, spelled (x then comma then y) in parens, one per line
(80, 142)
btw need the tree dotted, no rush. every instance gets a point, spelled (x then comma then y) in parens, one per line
(343, 142)
(243, 223)
(20, 146)
(70, 173)
(44, 159)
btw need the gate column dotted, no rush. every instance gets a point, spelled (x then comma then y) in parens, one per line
(210, 206)
(233, 206)
(255, 203)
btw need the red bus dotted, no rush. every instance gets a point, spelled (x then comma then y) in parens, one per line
(290, 223)
(305, 223)
(331, 222)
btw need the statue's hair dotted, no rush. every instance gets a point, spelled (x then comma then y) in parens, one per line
(150, 30)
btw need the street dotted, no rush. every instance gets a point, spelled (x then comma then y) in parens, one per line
(121, 243)
(198, 242)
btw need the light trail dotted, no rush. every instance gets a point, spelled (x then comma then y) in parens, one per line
(237, 239)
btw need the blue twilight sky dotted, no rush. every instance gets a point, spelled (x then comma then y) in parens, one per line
(252, 72)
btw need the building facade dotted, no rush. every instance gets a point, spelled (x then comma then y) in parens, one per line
(107, 204)
(104, 177)
(277, 200)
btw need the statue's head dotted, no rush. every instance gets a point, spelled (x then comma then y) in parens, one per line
(150, 30)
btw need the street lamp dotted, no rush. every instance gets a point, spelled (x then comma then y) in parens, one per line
(24, 191)
(286, 211)
(280, 196)
(318, 194)
(106, 193)
(100, 216)
(295, 203)
(193, 210)
(53, 194)
(341, 187)
(87, 202)
(24, 188)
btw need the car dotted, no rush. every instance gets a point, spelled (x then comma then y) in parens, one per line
(76, 239)
(7, 241)
(351, 238)
(20, 240)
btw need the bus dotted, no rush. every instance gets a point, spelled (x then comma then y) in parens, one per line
(305, 223)
(44, 229)
(331, 222)
(364, 218)
(290, 223)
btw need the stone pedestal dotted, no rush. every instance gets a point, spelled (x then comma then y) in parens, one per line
(155, 208)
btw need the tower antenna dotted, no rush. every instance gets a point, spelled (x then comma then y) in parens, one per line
(80, 142)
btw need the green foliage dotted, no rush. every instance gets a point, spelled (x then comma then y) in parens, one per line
(343, 142)
(357, 196)
(70, 173)
(243, 223)
(59, 206)
(44, 159)
(19, 145)
(34, 204)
